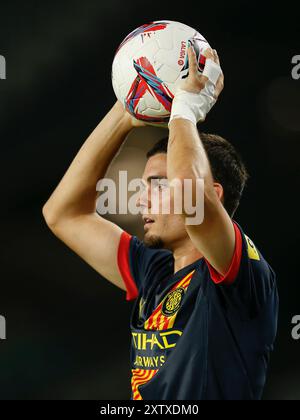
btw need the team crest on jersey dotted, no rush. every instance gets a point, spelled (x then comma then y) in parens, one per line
(172, 301)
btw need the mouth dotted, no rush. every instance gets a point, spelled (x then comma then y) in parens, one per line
(147, 221)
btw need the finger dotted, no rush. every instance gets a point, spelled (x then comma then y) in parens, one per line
(219, 86)
(216, 57)
(193, 65)
(208, 53)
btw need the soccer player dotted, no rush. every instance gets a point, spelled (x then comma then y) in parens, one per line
(205, 314)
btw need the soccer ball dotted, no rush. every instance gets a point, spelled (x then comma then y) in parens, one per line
(150, 63)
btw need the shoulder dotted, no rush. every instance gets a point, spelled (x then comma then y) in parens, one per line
(256, 279)
(254, 257)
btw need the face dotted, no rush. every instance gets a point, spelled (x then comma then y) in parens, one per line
(160, 230)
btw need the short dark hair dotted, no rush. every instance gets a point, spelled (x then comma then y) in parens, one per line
(226, 165)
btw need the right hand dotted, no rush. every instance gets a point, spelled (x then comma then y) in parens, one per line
(195, 82)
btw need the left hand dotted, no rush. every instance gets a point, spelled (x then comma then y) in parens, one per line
(195, 82)
(132, 122)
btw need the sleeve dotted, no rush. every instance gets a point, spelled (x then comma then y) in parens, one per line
(250, 281)
(137, 263)
(233, 270)
(124, 266)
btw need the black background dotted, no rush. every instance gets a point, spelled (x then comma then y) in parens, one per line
(67, 328)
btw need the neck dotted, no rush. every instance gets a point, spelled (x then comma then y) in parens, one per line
(184, 254)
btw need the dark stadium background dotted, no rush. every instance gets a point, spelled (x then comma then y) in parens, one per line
(67, 328)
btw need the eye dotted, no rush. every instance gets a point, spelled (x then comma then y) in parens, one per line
(158, 184)
(162, 184)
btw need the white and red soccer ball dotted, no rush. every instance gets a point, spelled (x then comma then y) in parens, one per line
(149, 64)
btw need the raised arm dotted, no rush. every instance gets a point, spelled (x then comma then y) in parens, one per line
(186, 159)
(70, 212)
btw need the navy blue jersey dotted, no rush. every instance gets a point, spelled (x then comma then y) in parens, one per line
(198, 335)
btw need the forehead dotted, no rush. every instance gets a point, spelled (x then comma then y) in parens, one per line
(156, 166)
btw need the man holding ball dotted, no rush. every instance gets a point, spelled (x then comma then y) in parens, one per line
(205, 315)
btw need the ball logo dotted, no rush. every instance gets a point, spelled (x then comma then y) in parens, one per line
(172, 302)
(182, 53)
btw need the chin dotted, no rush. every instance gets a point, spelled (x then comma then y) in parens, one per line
(153, 241)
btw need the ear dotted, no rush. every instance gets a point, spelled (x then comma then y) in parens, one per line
(219, 190)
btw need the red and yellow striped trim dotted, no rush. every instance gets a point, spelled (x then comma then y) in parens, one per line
(140, 377)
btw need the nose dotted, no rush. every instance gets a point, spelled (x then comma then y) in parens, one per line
(144, 198)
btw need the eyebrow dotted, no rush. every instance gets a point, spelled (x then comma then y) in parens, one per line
(155, 177)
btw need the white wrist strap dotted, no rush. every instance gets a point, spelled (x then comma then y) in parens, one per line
(195, 106)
